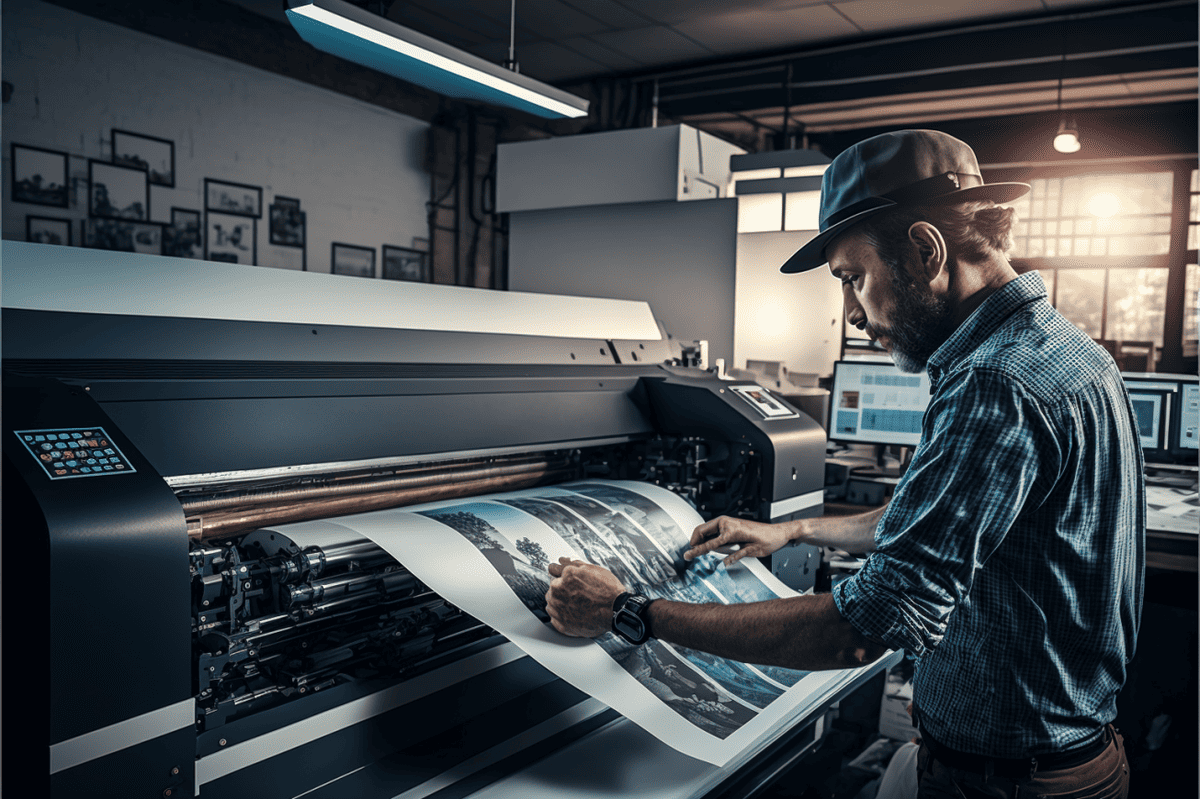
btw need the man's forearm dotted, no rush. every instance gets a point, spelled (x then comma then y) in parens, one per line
(854, 534)
(804, 632)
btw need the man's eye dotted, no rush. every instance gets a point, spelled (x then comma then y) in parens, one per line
(848, 280)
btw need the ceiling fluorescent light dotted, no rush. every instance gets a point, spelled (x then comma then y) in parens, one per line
(347, 31)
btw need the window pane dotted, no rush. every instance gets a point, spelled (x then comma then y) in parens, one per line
(1195, 180)
(1136, 207)
(1193, 238)
(1048, 277)
(1191, 300)
(760, 212)
(803, 209)
(1080, 298)
(1137, 301)
(1139, 245)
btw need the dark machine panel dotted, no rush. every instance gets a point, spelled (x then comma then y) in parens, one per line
(93, 551)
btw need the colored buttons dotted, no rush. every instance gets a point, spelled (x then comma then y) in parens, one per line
(74, 452)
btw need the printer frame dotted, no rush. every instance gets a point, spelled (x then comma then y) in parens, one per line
(118, 575)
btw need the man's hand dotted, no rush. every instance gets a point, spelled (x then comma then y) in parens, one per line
(581, 597)
(757, 539)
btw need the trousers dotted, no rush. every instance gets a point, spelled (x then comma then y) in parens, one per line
(1106, 776)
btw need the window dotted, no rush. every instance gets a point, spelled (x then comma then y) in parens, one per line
(1090, 215)
(1079, 231)
(1191, 304)
(1194, 218)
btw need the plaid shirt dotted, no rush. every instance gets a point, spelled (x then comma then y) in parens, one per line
(1010, 560)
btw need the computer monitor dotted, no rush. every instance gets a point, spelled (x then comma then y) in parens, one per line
(1185, 433)
(875, 403)
(1157, 399)
(1152, 412)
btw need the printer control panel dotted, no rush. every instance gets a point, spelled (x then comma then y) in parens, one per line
(69, 453)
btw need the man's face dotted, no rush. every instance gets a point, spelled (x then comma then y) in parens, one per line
(902, 314)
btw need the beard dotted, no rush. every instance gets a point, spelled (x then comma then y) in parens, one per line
(923, 323)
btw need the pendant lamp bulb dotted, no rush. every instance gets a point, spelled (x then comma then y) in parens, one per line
(1067, 138)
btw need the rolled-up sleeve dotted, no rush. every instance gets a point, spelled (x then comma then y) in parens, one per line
(987, 448)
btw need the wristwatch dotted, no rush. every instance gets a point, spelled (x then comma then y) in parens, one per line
(629, 618)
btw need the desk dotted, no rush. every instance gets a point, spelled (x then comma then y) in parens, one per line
(1169, 544)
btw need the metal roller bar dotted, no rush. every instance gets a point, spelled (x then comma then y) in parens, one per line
(228, 523)
(343, 486)
(352, 584)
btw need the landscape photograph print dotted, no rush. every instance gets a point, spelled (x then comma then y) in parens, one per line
(154, 156)
(640, 543)
(39, 176)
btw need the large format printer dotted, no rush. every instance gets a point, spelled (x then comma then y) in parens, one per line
(160, 415)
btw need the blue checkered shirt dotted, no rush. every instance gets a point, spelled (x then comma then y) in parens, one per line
(1010, 561)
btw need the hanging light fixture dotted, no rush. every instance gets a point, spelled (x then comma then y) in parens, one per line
(1067, 138)
(347, 31)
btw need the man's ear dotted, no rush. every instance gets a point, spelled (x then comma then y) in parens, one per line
(932, 253)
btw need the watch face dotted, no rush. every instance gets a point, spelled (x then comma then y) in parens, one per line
(630, 626)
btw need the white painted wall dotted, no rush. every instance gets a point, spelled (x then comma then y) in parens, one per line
(791, 318)
(357, 169)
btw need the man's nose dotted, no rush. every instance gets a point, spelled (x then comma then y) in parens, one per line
(855, 314)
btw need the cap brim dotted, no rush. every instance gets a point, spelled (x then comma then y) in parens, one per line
(812, 254)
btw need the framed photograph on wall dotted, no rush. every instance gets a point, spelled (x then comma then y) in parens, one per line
(293, 258)
(287, 223)
(48, 230)
(39, 176)
(405, 263)
(232, 198)
(118, 192)
(184, 237)
(230, 238)
(154, 155)
(350, 259)
(123, 235)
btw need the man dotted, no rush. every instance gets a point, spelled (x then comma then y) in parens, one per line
(1010, 559)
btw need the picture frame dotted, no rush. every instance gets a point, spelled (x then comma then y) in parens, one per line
(405, 263)
(352, 259)
(123, 235)
(230, 238)
(238, 199)
(39, 176)
(293, 258)
(48, 230)
(118, 192)
(154, 155)
(287, 223)
(184, 237)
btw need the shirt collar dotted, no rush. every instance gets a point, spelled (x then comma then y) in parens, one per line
(983, 322)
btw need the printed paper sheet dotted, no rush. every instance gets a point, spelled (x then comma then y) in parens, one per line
(488, 556)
